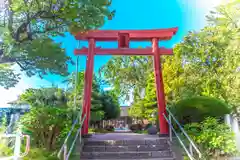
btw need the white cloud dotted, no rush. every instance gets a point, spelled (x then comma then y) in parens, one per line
(210, 3)
(11, 94)
(197, 10)
(8, 95)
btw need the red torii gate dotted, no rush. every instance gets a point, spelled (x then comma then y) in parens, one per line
(124, 37)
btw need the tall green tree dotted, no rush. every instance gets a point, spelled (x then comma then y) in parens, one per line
(205, 63)
(44, 120)
(212, 56)
(26, 27)
(104, 104)
(53, 97)
(127, 73)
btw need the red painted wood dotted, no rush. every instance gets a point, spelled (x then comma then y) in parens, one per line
(136, 35)
(124, 51)
(88, 84)
(123, 40)
(163, 125)
(84, 105)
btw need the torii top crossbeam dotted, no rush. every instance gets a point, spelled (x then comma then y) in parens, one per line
(123, 37)
(134, 35)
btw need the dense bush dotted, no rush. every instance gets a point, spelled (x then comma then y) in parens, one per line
(99, 130)
(147, 126)
(214, 139)
(136, 127)
(40, 154)
(44, 125)
(109, 128)
(4, 149)
(196, 109)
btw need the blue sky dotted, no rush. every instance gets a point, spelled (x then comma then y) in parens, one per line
(130, 14)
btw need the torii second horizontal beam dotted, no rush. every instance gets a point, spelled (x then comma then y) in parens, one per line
(124, 51)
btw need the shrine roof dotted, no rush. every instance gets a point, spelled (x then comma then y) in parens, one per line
(135, 35)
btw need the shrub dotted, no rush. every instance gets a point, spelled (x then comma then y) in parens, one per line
(99, 130)
(109, 128)
(147, 126)
(40, 154)
(5, 151)
(136, 127)
(142, 132)
(214, 139)
(196, 109)
(44, 125)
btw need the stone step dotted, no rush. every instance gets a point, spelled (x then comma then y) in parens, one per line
(127, 155)
(127, 142)
(123, 148)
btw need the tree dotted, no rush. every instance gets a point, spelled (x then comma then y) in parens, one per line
(227, 17)
(126, 73)
(53, 97)
(214, 139)
(104, 105)
(205, 63)
(146, 107)
(110, 104)
(43, 122)
(27, 27)
(213, 57)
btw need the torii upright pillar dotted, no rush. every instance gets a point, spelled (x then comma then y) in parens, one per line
(124, 37)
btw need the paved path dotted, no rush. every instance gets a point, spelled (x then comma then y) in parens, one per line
(121, 136)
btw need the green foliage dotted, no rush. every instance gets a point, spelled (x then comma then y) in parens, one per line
(136, 127)
(98, 130)
(205, 63)
(8, 76)
(213, 56)
(109, 128)
(110, 104)
(43, 122)
(4, 149)
(3, 124)
(142, 132)
(127, 72)
(196, 109)
(104, 104)
(45, 127)
(52, 97)
(146, 107)
(27, 25)
(214, 139)
(40, 154)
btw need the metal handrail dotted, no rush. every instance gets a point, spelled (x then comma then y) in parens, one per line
(17, 145)
(192, 145)
(64, 148)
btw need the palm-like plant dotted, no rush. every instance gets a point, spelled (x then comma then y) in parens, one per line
(51, 97)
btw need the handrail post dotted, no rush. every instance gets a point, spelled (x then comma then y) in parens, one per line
(65, 152)
(17, 148)
(170, 119)
(170, 128)
(191, 149)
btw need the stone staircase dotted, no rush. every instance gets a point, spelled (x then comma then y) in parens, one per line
(126, 146)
